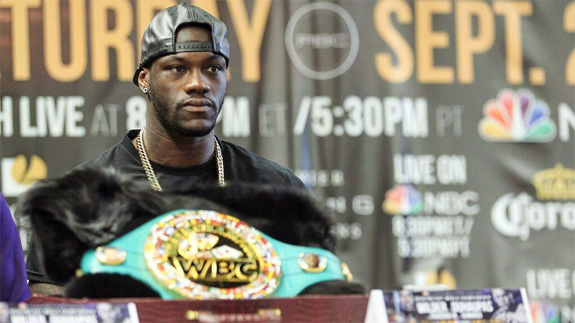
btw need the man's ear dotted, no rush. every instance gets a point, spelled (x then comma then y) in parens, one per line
(143, 79)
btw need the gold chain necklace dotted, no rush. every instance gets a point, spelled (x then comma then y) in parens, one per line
(150, 171)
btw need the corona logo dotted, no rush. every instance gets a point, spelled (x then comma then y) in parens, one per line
(18, 175)
(402, 199)
(555, 184)
(516, 117)
(517, 215)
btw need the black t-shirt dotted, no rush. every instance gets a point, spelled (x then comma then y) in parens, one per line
(240, 165)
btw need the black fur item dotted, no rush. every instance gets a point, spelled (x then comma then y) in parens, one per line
(89, 207)
(103, 285)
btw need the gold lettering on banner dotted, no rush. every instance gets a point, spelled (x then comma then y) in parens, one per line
(250, 34)
(513, 11)
(27, 174)
(55, 65)
(426, 40)
(20, 35)
(403, 69)
(210, 6)
(569, 26)
(118, 39)
(443, 277)
(146, 10)
(467, 44)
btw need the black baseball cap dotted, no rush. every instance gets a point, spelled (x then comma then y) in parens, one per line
(160, 37)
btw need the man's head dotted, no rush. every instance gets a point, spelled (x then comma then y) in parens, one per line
(185, 53)
(499, 296)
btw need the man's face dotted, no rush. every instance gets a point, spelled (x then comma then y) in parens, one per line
(499, 297)
(187, 89)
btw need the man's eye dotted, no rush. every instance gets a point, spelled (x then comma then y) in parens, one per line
(177, 69)
(214, 69)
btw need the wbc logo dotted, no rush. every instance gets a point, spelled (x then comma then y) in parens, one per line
(201, 254)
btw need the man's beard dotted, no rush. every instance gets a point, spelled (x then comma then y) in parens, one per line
(168, 118)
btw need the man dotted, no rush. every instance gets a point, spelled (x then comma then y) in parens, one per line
(182, 74)
(13, 287)
(507, 309)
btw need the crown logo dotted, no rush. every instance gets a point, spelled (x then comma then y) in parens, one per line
(555, 183)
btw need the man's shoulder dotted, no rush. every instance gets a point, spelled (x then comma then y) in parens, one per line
(249, 166)
(115, 156)
(241, 154)
(108, 158)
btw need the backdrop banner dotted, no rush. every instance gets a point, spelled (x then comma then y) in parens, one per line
(438, 131)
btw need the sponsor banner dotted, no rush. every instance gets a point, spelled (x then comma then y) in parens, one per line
(431, 224)
(439, 133)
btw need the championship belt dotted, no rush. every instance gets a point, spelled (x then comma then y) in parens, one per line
(199, 254)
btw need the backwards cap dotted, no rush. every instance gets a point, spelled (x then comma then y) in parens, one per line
(160, 37)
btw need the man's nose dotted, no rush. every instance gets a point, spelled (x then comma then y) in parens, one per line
(196, 82)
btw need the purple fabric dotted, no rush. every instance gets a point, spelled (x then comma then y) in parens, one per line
(13, 285)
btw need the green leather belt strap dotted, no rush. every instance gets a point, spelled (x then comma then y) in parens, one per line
(293, 280)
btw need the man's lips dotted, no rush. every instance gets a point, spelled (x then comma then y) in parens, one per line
(197, 105)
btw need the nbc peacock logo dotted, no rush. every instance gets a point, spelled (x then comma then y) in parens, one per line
(542, 311)
(516, 116)
(402, 199)
(18, 174)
